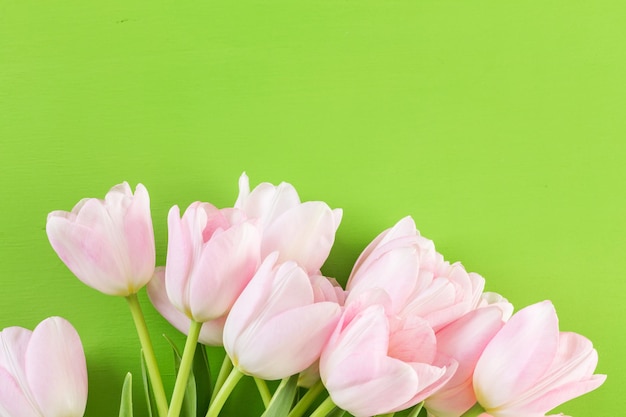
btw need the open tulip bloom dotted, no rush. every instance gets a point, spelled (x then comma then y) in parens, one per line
(410, 331)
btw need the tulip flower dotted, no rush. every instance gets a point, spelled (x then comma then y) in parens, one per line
(211, 256)
(108, 244)
(42, 372)
(301, 232)
(374, 364)
(276, 329)
(416, 277)
(463, 340)
(529, 367)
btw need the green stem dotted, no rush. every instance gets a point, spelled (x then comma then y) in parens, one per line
(230, 383)
(148, 351)
(474, 411)
(266, 396)
(324, 408)
(415, 411)
(306, 400)
(182, 378)
(386, 415)
(227, 366)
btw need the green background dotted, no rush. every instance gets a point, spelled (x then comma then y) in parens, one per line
(498, 125)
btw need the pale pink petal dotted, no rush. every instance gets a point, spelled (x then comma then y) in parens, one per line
(14, 401)
(356, 370)
(180, 253)
(244, 190)
(225, 266)
(464, 340)
(412, 340)
(430, 379)
(517, 356)
(391, 386)
(139, 235)
(570, 376)
(289, 342)
(250, 302)
(86, 252)
(266, 202)
(56, 369)
(304, 233)
(210, 332)
(394, 271)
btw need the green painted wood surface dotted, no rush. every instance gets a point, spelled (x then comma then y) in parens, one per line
(498, 125)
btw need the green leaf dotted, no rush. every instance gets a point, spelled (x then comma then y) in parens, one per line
(188, 408)
(336, 412)
(282, 400)
(416, 410)
(147, 387)
(202, 374)
(126, 404)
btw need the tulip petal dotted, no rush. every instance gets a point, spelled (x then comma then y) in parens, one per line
(266, 202)
(394, 271)
(517, 356)
(304, 233)
(288, 343)
(56, 369)
(570, 376)
(179, 259)
(139, 235)
(85, 252)
(13, 398)
(224, 267)
(210, 332)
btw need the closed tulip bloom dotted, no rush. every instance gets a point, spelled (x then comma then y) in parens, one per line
(42, 372)
(416, 277)
(211, 256)
(529, 367)
(300, 232)
(374, 364)
(108, 244)
(275, 328)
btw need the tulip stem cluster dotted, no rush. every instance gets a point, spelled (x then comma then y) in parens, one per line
(150, 357)
(307, 399)
(324, 408)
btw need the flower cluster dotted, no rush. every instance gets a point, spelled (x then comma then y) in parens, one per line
(410, 329)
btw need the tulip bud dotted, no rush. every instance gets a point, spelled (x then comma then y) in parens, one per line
(529, 367)
(211, 256)
(276, 329)
(108, 244)
(42, 372)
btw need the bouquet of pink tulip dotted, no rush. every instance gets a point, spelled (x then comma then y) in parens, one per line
(410, 331)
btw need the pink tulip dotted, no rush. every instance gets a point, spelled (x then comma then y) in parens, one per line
(276, 329)
(211, 256)
(463, 340)
(301, 232)
(416, 277)
(374, 364)
(530, 367)
(210, 332)
(42, 372)
(108, 244)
